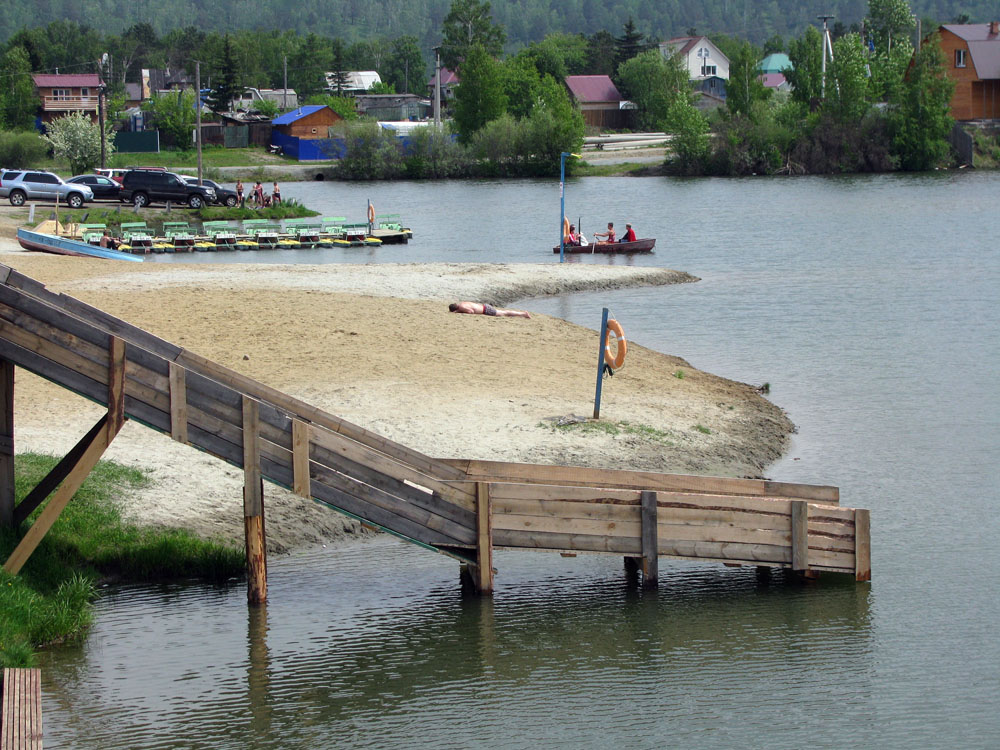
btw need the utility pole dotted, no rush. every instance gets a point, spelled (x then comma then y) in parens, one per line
(197, 109)
(827, 46)
(100, 110)
(437, 88)
(284, 91)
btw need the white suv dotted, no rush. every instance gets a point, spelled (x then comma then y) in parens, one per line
(20, 185)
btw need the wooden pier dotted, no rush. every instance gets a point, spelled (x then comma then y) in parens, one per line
(461, 508)
(21, 710)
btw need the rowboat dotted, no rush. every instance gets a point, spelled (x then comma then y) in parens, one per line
(48, 243)
(639, 246)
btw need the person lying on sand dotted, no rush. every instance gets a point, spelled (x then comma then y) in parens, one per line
(484, 308)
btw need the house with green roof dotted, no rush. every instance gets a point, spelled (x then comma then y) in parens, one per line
(770, 71)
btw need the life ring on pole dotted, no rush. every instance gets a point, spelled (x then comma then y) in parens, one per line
(565, 227)
(616, 360)
(371, 213)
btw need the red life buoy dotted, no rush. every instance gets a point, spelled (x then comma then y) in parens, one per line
(616, 360)
(371, 213)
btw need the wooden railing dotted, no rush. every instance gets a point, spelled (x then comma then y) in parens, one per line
(69, 103)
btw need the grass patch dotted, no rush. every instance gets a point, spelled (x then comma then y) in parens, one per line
(679, 374)
(612, 428)
(50, 600)
(290, 209)
(702, 429)
(586, 169)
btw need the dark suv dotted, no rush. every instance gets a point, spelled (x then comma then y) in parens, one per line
(140, 187)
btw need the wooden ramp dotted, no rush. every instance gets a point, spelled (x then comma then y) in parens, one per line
(460, 508)
(21, 710)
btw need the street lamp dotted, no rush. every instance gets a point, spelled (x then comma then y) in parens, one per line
(562, 202)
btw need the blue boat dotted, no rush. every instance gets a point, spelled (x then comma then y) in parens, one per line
(48, 243)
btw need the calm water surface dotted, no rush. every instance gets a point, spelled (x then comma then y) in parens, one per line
(870, 305)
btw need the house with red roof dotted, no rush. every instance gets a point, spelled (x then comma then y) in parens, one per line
(449, 81)
(699, 55)
(62, 93)
(973, 53)
(599, 101)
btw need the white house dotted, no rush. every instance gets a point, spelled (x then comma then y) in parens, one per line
(702, 58)
(355, 81)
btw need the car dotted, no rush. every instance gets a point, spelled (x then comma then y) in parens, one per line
(20, 185)
(144, 186)
(222, 194)
(104, 188)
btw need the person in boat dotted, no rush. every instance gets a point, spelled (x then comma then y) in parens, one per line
(629, 235)
(609, 236)
(107, 241)
(484, 308)
(572, 238)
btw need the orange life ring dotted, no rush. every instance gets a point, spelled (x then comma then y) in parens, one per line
(371, 213)
(615, 361)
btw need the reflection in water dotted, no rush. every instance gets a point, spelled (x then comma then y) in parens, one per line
(339, 659)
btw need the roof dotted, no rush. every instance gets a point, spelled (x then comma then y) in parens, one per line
(448, 77)
(984, 47)
(775, 63)
(772, 80)
(67, 79)
(682, 44)
(297, 114)
(593, 89)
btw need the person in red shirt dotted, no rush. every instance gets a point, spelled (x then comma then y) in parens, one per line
(629, 234)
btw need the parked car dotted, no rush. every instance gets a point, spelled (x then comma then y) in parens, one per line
(21, 185)
(144, 186)
(222, 194)
(104, 188)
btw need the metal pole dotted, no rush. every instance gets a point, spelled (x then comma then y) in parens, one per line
(600, 363)
(437, 87)
(100, 119)
(197, 109)
(284, 91)
(562, 205)
(826, 43)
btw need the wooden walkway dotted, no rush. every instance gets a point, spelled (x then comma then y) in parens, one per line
(456, 507)
(21, 710)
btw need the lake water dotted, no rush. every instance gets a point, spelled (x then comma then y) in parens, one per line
(872, 307)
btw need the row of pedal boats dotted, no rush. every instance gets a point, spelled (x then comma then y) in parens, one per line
(252, 234)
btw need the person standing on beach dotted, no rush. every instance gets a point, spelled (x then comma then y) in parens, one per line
(239, 193)
(276, 195)
(258, 194)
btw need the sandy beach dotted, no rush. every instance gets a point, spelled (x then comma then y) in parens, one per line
(375, 344)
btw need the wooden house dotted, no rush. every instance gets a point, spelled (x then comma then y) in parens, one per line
(61, 94)
(311, 122)
(599, 100)
(973, 54)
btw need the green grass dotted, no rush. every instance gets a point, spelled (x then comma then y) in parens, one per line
(702, 429)
(612, 428)
(290, 209)
(586, 169)
(50, 599)
(679, 374)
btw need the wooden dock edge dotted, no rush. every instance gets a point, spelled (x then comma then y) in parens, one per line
(21, 709)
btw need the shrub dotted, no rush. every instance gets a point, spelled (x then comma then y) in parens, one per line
(23, 149)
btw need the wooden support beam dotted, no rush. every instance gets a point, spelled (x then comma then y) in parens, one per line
(300, 458)
(862, 545)
(253, 505)
(649, 540)
(178, 403)
(800, 535)
(6, 443)
(89, 458)
(116, 386)
(484, 539)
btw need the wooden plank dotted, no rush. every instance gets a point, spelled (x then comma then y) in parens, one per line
(256, 551)
(574, 493)
(565, 542)
(484, 539)
(565, 509)
(59, 500)
(800, 535)
(116, 387)
(253, 501)
(500, 471)
(581, 526)
(862, 545)
(6, 443)
(178, 404)
(300, 458)
(650, 565)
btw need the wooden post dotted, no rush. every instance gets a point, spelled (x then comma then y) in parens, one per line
(484, 539)
(800, 535)
(178, 403)
(253, 505)
(300, 459)
(600, 363)
(862, 545)
(650, 552)
(116, 387)
(6, 443)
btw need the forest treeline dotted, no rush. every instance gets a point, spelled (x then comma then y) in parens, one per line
(524, 20)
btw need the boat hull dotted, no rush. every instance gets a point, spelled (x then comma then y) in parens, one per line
(48, 243)
(639, 246)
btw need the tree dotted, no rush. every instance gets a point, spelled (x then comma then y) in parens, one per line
(220, 99)
(174, 114)
(468, 24)
(690, 131)
(920, 119)
(630, 43)
(601, 54)
(18, 102)
(773, 45)
(888, 20)
(480, 96)
(405, 67)
(77, 139)
(847, 87)
(806, 73)
(308, 65)
(653, 84)
(744, 87)
(338, 67)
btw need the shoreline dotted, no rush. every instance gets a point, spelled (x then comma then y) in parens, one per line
(375, 345)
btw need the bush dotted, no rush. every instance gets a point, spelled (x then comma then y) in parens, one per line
(19, 150)
(371, 153)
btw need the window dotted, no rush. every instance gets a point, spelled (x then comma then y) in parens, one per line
(85, 92)
(960, 58)
(708, 70)
(60, 94)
